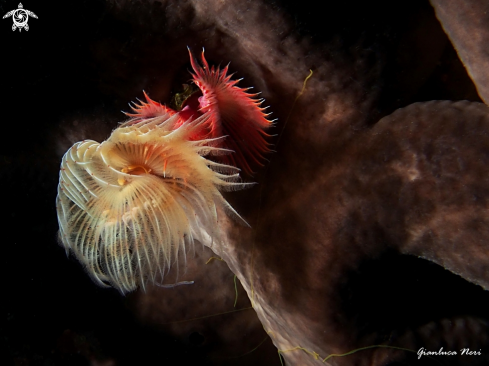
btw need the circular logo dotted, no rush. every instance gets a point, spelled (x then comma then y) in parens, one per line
(20, 18)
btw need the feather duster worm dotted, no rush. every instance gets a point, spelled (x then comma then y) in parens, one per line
(129, 207)
(232, 112)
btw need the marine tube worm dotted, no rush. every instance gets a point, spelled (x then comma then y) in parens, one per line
(129, 207)
(233, 112)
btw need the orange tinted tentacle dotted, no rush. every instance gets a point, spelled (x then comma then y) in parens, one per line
(149, 109)
(204, 61)
(195, 65)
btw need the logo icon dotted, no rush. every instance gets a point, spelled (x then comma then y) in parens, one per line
(20, 17)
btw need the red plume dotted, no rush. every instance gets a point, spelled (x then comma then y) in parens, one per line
(234, 113)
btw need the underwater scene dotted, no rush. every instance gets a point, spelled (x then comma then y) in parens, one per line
(232, 183)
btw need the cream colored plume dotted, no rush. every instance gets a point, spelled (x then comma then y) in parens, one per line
(130, 207)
